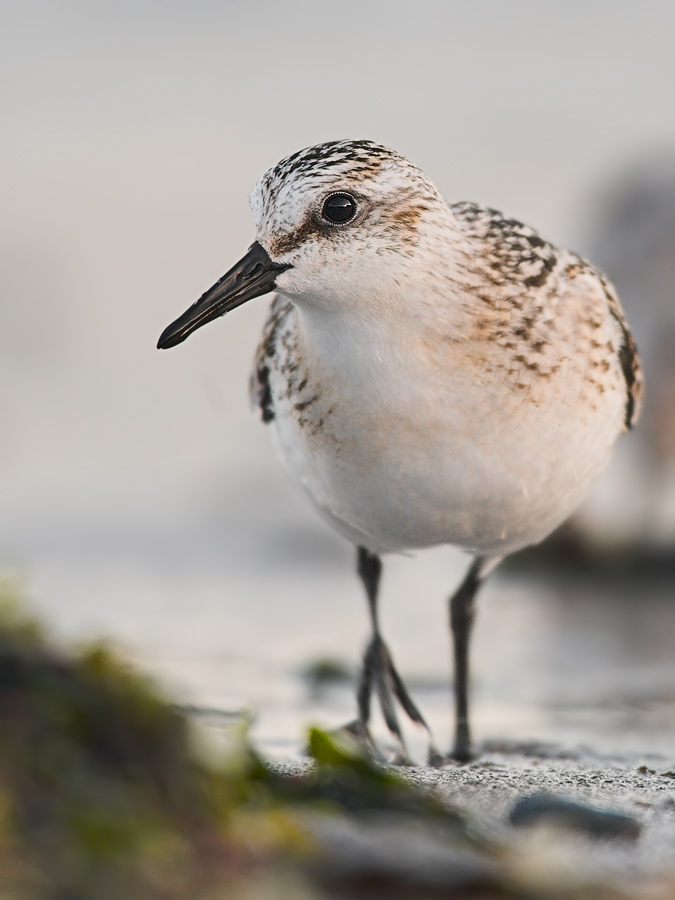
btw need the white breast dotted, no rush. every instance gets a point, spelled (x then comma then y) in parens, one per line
(403, 440)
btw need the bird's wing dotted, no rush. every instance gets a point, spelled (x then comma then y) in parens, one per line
(523, 272)
(628, 354)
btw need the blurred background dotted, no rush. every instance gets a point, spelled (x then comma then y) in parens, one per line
(141, 499)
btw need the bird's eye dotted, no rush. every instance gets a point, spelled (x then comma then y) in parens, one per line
(339, 208)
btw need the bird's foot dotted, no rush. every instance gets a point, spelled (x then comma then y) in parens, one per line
(436, 759)
(379, 674)
(402, 758)
(359, 731)
(463, 751)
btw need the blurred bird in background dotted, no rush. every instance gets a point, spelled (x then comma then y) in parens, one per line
(633, 240)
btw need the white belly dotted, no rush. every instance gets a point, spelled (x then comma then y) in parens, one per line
(482, 473)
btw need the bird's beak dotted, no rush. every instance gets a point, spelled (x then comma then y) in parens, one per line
(253, 275)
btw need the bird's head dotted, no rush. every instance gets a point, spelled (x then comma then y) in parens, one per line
(334, 222)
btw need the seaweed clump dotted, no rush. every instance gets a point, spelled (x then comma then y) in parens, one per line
(102, 792)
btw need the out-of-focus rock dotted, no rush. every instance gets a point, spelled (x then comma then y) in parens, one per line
(560, 812)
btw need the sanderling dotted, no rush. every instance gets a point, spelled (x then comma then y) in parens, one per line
(433, 374)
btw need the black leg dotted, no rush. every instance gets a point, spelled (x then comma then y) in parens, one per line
(462, 612)
(369, 567)
(376, 669)
(379, 673)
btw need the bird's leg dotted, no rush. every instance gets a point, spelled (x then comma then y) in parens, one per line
(434, 756)
(380, 672)
(375, 672)
(462, 612)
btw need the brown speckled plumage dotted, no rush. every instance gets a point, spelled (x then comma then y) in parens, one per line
(532, 300)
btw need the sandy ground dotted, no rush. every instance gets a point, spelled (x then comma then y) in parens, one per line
(491, 786)
(636, 856)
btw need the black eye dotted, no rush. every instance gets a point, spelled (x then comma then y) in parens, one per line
(339, 208)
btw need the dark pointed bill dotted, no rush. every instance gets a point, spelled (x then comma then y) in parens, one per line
(253, 275)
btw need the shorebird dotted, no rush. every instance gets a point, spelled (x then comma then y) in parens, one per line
(433, 374)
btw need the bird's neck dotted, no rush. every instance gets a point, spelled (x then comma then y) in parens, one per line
(377, 353)
(393, 322)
